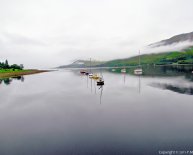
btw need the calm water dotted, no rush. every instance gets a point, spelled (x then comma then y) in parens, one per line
(64, 113)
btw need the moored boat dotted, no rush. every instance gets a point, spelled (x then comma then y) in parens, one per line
(95, 77)
(90, 75)
(123, 70)
(138, 71)
(82, 71)
(100, 82)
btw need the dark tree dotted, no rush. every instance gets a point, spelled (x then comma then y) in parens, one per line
(21, 66)
(15, 66)
(5, 65)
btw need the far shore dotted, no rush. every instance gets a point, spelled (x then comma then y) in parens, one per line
(21, 73)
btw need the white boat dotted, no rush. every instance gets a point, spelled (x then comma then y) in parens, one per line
(138, 71)
(113, 70)
(123, 70)
(90, 75)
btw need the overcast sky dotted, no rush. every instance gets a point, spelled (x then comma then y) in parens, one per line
(49, 33)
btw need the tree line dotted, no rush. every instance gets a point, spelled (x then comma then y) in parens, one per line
(5, 65)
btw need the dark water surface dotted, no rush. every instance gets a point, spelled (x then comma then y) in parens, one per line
(64, 113)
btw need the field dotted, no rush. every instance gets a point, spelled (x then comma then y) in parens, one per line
(5, 73)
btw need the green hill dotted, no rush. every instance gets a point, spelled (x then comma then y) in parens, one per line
(175, 57)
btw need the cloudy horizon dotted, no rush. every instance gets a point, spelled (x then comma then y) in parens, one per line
(47, 33)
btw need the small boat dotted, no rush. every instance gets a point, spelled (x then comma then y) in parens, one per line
(82, 72)
(123, 70)
(100, 82)
(90, 75)
(113, 70)
(138, 71)
(95, 77)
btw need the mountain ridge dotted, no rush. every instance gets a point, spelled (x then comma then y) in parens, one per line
(82, 64)
(184, 56)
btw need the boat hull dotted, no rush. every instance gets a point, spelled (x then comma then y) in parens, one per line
(138, 71)
(123, 71)
(95, 77)
(100, 83)
(90, 75)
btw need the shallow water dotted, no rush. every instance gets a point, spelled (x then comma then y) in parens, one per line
(65, 113)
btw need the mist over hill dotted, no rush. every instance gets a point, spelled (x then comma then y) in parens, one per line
(175, 50)
(185, 37)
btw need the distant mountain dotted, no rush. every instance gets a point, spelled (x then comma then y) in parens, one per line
(175, 57)
(184, 56)
(82, 64)
(174, 40)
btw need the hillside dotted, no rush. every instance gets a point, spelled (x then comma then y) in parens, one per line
(175, 57)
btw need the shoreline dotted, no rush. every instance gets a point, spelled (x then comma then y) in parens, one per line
(22, 72)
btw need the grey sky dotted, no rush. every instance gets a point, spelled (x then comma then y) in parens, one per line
(48, 33)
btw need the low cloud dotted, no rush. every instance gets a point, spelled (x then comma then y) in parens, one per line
(168, 48)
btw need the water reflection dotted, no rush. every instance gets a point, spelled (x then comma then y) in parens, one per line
(129, 83)
(101, 93)
(91, 85)
(189, 77)
(94, 87)
(163, 71)
(8, 81)
(175, 70)
(139, 77)
(64, 118)
(174, 88)
(124, 74)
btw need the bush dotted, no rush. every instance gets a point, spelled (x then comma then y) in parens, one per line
(5, 65)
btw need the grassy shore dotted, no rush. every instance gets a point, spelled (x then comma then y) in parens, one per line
(6, 73)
